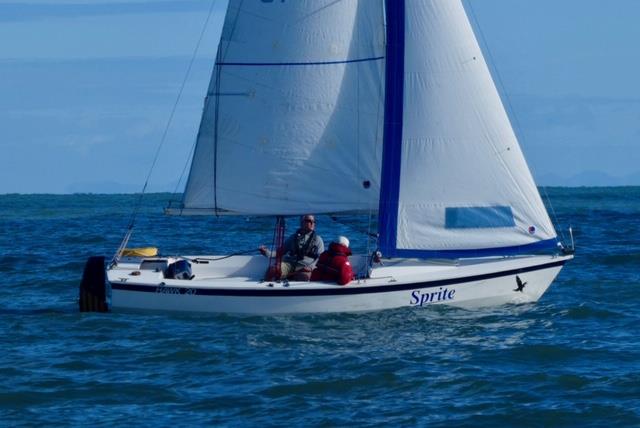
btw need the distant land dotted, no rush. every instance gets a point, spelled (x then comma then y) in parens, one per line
(583, 179)
(588, 179)
(113, 187)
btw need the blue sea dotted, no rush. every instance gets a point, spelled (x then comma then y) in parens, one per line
(572, 359)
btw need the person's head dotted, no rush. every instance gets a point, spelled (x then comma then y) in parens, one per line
(342, 240)
(308, 222)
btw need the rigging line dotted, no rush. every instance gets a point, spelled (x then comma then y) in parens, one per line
(215, 259)
(510, 105)
(223, 50)
(171, 116)
(367, 233)
(186, 164)
(283, 64)
(138, 204)
(315, 12)
(358, 171)
(216, 116)
(220, 56)
(379, 125)
(553, 212)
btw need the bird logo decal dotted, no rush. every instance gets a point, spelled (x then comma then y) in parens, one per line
(520, 284)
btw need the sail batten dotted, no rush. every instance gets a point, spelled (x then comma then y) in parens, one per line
(276, 64)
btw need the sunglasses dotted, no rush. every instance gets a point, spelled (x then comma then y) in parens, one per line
(308, 220)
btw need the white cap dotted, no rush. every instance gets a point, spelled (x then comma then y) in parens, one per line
(342, 241)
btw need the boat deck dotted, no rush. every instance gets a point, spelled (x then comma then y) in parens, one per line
(248, 271)
(235, 285)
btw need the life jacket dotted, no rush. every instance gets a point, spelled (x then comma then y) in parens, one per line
(301, 247)
(333, 265)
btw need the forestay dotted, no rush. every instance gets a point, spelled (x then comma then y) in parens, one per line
(459, 180)
(294, 112)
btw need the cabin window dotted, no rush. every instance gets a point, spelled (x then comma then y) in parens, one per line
(478, 217)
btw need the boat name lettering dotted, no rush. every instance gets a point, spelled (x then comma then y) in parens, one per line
(174, 290)
(442, 294)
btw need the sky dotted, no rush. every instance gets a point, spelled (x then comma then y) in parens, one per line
(87, 88)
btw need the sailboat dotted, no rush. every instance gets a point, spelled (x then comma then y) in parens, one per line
(342, 107)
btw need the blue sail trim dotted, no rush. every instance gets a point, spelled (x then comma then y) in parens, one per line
(278, 64)
(393, 117)
(478, 217)
(541, 246)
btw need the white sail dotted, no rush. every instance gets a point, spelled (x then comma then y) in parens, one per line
(463, 181)
(293, 117)
(327, 106)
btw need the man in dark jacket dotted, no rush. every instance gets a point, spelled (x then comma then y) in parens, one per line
(299, 252)
(333, 264)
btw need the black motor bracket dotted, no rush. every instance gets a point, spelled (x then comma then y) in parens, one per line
(93, 287)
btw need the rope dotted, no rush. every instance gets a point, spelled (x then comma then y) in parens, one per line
(356, 229)
(275, 258)
(215, 259)
(138, 204)
(184, 169)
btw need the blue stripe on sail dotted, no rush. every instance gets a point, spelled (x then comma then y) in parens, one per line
(393, 115)
(482, 252)
(478, 217)
(277, 64)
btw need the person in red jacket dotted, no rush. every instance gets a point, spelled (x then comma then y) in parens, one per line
(333, 264)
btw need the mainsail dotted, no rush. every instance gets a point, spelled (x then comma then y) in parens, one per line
(349, 105)
(293, 117)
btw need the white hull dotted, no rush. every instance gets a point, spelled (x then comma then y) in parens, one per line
(232, 286)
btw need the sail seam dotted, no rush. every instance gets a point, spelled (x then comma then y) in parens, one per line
(279, 64)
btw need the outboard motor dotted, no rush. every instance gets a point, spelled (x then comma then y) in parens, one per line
(180, 269)
(93, 296)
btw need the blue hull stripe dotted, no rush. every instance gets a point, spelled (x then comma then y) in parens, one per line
(393, 117)
(278, 64)
(338, 291)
